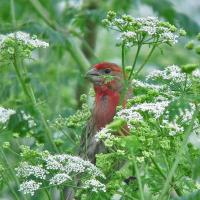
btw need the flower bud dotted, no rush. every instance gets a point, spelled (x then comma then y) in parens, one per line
(189, 68)
(190, 45)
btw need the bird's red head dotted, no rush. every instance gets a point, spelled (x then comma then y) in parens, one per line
(98, 73)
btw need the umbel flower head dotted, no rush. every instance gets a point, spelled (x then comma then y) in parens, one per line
(147, 30)
(44, 169)
(5, 114)
(21, 43)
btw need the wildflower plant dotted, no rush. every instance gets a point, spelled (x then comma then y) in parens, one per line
(162, 117)
(40, 169)
(159, 118)
(139, 32)
(20, 41)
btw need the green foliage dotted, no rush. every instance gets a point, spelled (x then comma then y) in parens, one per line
(150, 153)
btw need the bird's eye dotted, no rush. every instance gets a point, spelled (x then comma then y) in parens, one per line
(107, 71)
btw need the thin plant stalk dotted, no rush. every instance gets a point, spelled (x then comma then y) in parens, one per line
(138, 179)
(135, 60)
(62, 196)
(47, 194)
(178, 157)
(157, 167)
(147, 58)
(123, 62)
(11, 189)
(12, 173)
(30, 94)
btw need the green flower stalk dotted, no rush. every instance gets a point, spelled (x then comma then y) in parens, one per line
(18, 46)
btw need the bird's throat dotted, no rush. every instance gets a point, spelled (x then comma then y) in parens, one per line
(106, 101)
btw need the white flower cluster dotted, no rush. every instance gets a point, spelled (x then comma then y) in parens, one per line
(56, 170)
(29, 119)
(171, 73)
(196, 73)
(95, 185)
(25, 38)
(59, 179)
(25, 170)
(29, 187)
(5, 114)
(173, 127)
(129, 115)
(156, 109)
(140, 84)
(105, 135)
(71, 164)
(149, 28)
(159, 105)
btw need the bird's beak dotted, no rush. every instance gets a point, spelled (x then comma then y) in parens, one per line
(93, 75)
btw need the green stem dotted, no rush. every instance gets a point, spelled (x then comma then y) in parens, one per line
(147, 58)
(62, 196)
(158, 168)
(135, 60)
(123, 62)
(178, 157)
(138, 179)
(10, 188)
(12, 8)
(177, 190)
(20, 78)
(47, 194)
(29, 93)
(12, 173)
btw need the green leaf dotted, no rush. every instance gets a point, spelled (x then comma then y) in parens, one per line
(130, 142)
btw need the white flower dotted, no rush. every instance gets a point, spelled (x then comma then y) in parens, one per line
(106, 136)
(25, 170)
(168, 36)
(70, 164)
(25, 38)
(29, 187)
(95, 185)
(104, 133)
(5, 114)
(175, 128)
(56, 170)
(52, 164)
(59, 179)
(170, 73)
(196, 73)
(157, 108)
(129, 115)
(137, 83)
(131, 29)
(29, 119)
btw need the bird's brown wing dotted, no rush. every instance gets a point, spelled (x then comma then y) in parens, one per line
(89, 147)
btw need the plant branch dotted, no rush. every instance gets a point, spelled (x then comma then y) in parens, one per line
(178, 156)
(138, 179)
(29, 93)
(147, 58)
(135, 60)
(123, 62)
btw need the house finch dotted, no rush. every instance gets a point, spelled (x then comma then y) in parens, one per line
(107, 98)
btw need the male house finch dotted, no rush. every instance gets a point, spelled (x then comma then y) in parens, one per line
(107, 98)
